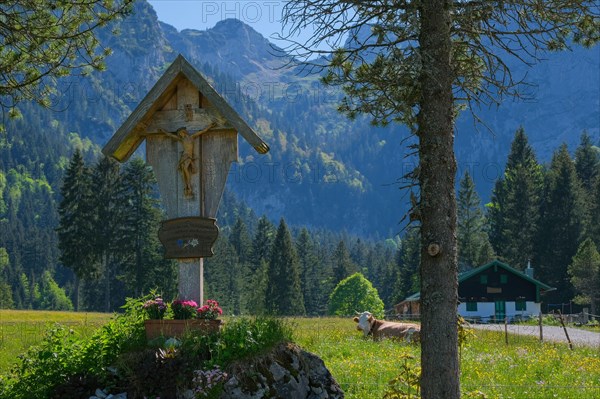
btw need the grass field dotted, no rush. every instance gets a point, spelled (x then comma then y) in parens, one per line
(20, 329)
(525, 369)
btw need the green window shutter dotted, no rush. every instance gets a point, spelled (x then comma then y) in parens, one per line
(521, 305)
(483, 279)
(471, 306)
(503, 279)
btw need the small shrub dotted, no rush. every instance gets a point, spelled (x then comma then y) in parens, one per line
(48, 367)
(243, 337)
(407, 384)
(355, 293)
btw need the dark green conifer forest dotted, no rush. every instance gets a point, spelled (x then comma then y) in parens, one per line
(93, 242)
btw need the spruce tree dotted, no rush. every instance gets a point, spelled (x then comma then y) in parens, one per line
(240, 240)
(262, 242)
(283, 292)
(514, 209)
(145, 269)
(594, 215)
(260, 253)
(222, 276)
(6, 298)
(110, 233)
(587, 162)
(358, 254)
(561, 227)
(311, 274)
(585, 274)
(342, 264)
(75, 230)
(382, 266)
(408, 259)
(471, 225)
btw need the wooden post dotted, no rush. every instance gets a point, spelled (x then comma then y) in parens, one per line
(201, 282)
(541, 328)
(562, 321)
(506, 330)
(189, 280)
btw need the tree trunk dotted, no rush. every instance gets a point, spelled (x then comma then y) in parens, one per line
(439, 282)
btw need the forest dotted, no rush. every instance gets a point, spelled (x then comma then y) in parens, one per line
(94, 243)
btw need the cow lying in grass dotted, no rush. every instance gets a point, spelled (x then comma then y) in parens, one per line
(370, 326)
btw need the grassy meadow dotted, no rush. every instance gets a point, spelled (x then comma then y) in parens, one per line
(20, 329)
(524, 369)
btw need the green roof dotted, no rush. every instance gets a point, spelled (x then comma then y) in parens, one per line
(466, 275)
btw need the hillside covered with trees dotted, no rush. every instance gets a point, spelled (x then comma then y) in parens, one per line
(329, 183)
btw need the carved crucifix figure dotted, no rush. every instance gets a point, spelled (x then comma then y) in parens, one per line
(187, 164)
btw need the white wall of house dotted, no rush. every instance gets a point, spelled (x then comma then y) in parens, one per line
(487, 310)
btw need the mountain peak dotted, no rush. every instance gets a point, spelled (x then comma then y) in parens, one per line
(231, 25)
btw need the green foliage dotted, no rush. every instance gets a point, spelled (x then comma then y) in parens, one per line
(515, 207)
(342, 264)
(283, 292)
(355, 294)
(146, 268)
(562, 225)
(587, 162)
(408, 259)
(172, 366)
(108, 232)
(62, 355)
(407, 384)
(314, 277)
(594, 221)
(6, 299)
(585, 273)
(51, 296)
(42, 43)
(244, 337)
(471, 227)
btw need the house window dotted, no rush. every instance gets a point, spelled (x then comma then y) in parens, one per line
(483, 279)
(471, 306)
(503, 279)
(520, 305)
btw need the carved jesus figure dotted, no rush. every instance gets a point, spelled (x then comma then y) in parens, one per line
(187, 164)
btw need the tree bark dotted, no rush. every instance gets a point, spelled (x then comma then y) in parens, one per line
(437, 171)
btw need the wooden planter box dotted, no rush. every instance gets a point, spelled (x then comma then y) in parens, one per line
(177, 328)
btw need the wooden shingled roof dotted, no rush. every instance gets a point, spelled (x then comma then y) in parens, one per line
(133, 131)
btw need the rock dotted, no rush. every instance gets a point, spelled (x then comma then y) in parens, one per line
(286, 371)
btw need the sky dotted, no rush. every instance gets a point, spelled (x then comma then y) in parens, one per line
(264, 16)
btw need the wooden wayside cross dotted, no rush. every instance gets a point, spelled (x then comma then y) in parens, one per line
(191, 140)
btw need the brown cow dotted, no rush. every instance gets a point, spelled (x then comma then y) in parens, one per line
(387, 329)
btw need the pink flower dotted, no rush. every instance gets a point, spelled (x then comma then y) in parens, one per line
(209, 311)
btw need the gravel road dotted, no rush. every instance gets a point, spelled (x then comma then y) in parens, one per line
(551, 333)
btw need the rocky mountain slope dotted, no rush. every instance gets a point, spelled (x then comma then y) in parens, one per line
(323, 170)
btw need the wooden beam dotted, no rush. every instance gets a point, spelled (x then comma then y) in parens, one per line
(173, 119)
